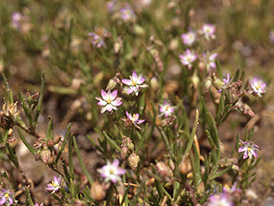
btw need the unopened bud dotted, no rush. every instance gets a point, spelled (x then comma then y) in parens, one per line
(138, 30)
(207, 83)
(195, 80)
(154, 83)
(10, 131)
(163, 170)
(130, 146)
(133, 160)
(97, 192)
(12, 141)
(124, 152)
(111, 84)
(50, 143)
(218, 83)
(46, 156)
(202, 66)
(185, 166)
(173, 44)
(201, 188)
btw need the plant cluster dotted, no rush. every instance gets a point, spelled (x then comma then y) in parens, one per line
(155, 94)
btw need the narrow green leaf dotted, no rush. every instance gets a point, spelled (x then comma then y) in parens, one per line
(82, 162)
(31, 149)
(111, 142)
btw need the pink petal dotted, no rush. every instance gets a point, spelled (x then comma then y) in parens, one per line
(140, 121)
(137, 116)
(117, 102)
(134, 76)
(241, 149)
(130, 90)
(128, 115)
(102, 103)
(104, 94)
(245, 155)
(113, 95)
(115, 163)
(141, 80)
(127, 81)
(109, 107)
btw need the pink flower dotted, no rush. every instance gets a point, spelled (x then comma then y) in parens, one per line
(208, 30)
(189, 38)
(249, 149)
(36, 204)
(134, 118)
(221, 199)
(188, 58)
(112, 171)
(166, 109)
(135, 83)
(55, 185)
(97, 40)
(258, 86)
(17, 19)
(127, 14)
(227, 79)
(6, 197)
(211, 61)
(110, 101)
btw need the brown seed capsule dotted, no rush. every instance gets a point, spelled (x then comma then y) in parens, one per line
(97, 192)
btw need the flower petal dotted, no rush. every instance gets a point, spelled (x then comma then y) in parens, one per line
(127, 81)
(104, 94)
(113, 95)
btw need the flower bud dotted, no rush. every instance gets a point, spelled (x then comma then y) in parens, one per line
(50, 143)
(133, 160)
(130, 146)
(207, 83)
(12, 141)
(173, 44)
(163, 170)
(195, 80)
(124, 152)
(154, 83)
(10, 132)
(138, 30)
(111, 84)
(97, 192)
(218, 83)
(185, 166)
(46, 156)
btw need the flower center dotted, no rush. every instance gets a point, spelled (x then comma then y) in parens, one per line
(7, 195)
(111, 171)
(54, 184)
(134, 117)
